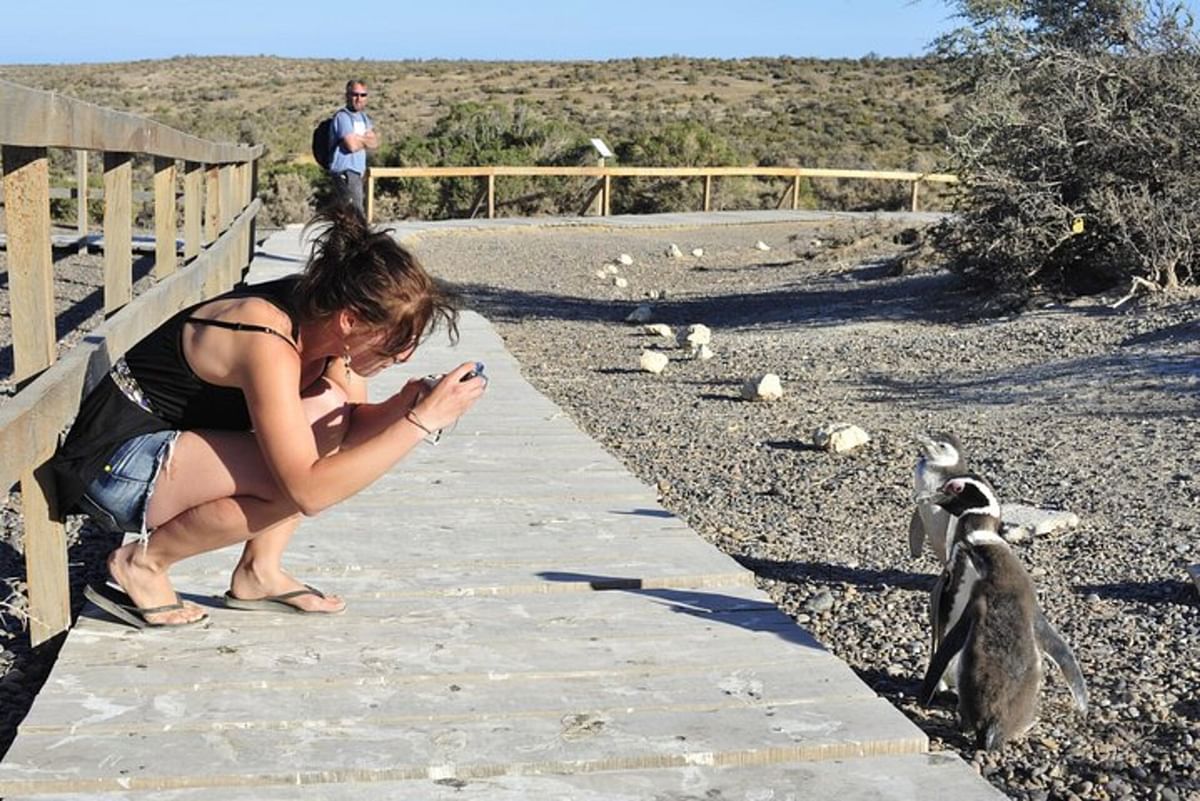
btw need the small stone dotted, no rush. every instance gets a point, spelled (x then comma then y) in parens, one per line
(697, 252)
(673, 251)
(602, 274)
(821, 602)
(840, 437)
(761, 245)
(619, 282)
(765, 387)
(652, 361)
(641, 314)
(611, 269)
(659, 330)
(703, 353)
(625, 259)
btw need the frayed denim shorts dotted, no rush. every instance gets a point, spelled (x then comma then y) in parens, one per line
(117, 499)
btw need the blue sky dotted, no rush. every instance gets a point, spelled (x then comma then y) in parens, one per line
(71, 31)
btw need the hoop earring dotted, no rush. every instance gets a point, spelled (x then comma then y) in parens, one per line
(346, 362)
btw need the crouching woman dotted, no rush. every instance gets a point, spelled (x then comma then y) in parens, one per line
(238, 416)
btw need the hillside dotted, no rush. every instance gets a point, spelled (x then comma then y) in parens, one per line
(867, 113)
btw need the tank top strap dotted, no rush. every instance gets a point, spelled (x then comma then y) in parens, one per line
(233, 326)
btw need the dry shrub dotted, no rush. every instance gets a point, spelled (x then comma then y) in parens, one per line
(1076, 145)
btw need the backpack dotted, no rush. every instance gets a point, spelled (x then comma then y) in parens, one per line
(322, 141)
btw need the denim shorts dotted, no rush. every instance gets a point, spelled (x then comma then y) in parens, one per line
(117, 499)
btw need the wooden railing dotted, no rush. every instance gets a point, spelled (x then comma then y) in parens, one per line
(605, 174)
(219, 209)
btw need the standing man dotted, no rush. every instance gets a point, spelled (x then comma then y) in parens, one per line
(353, 135)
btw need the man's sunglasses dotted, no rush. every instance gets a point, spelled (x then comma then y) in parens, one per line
(358, 94)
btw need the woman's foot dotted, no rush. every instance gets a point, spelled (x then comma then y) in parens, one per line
(250, 584)
(149, 586)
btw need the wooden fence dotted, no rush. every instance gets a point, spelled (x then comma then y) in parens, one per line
(219, 210)
(604, 176)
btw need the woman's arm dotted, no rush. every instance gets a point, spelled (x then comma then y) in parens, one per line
(378, 435)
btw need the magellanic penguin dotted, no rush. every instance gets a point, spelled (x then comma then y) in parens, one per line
(999, 665)
(941, 458)
(973, 501)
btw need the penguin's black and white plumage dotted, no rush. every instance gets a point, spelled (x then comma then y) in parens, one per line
(999, 664)
(972, 502)
(975, 505)
(940, 458)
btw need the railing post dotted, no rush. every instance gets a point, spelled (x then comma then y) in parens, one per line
(251, 193)
(212, 203)
(46, 572)
(30, 263)
(370, 196)
(193, 208)
(118, 231)
(795, 192)
(164, 217)
(915, 186)
(707, 192)
(491, 194)
(607, 192)
(81, 198)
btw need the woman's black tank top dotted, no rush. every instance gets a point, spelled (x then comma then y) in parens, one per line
(174, 397)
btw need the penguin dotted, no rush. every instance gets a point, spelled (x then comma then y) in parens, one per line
(973, 502)
(999, 663)
(941, 457)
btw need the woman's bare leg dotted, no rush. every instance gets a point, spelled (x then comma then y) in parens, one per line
(217, 491)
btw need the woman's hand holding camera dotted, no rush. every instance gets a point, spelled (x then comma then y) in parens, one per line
(439, 404)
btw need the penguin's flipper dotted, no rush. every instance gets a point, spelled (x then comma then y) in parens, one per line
(1051, 643)
(916, 533)
(935, 607)
(951, 645)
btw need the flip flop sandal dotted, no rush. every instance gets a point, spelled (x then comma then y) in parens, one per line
(278, 603)
(116, 602)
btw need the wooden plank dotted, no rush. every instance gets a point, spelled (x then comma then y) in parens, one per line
(916, 186)
(45, 546)
(227, 204)
(36, 415)
(193, 209)
(34, 118)
(81, 197)
(796, 193)
(30, 265)
(607, 195)
(212, 203)
(708, 193)
(661, 172)
(164, 217)
(118, 231)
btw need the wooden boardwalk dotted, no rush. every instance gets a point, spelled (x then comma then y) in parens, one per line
(525, 622)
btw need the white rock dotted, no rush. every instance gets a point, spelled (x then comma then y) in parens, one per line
(660, 330)
(697, 252)
(602, 273)
(761, 245)
(703, 353)
(625, 259)
(1023, 522)
(674, 252)
(840, 437)
(765, 387)
(619, 282)
(611, 269)
(695, 336)
(653, 361)
(641, 314)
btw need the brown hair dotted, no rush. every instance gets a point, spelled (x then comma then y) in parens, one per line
(369, 273)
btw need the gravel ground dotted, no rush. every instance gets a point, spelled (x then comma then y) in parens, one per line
(1074, 407)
